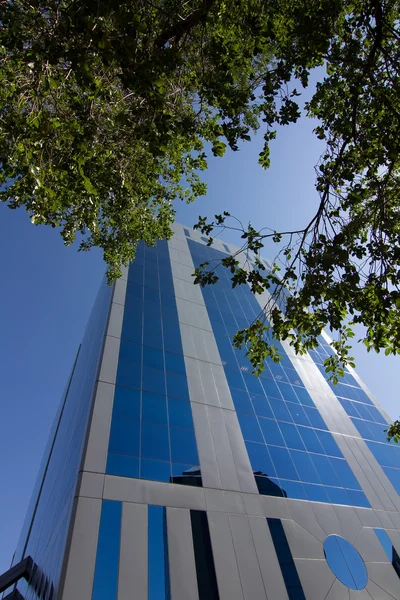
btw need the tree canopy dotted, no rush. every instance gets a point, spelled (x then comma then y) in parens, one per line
(105, 108)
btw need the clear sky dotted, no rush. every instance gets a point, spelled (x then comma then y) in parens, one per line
(48, 292)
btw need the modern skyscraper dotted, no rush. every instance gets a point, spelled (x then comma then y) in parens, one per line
(172, 473)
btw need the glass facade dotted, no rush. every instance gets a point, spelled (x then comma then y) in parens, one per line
(369, 421)
(279, 480)
(46, 527)
(291, 451)
(152, 433)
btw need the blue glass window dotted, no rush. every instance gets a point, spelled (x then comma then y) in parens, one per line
(325, 470)
(283, 463)
(124, 436)
(304, 467)
(272, 433)
(177, 386)
(270, 388)
(183, 446)
(153, 380)
(261, 405)
(130, 352)
(291, 436)
(129, 375)
(174, 363)
(127, 403)
(153, 358)
(155, 469)
(250, 428)
(154, 408)
(155, 442)
(123, 465)
(280, 410)
(105, 580)
(345, 562)
(310, 440)
(241, 401)
(158, 573)
(260, 458)
(180, 413)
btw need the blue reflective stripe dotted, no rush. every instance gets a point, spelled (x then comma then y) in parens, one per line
(152, 424)
(285, 558)
(385, 541)
(105, 582)
(158, 572)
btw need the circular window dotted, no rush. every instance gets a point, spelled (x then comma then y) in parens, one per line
(345, 562)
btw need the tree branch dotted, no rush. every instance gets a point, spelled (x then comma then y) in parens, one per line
(177, 30)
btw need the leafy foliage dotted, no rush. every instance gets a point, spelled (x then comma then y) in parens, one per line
(343, 267)
(106, 106)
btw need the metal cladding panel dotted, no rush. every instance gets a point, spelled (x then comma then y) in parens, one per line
(133, 563)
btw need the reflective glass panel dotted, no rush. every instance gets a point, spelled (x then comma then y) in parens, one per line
(345, 562)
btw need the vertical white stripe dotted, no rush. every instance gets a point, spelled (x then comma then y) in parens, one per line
(182, 567)
(133, 564)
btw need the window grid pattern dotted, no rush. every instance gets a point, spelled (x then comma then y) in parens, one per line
(290, 449)
(365, 416)
(152, 433)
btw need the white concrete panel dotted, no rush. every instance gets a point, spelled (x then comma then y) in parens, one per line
(315, 576)
(183, 258)
(91, 485)
(81, 557)
(205, 447)
(302, 543)
(377, 593)
(99, 431)
(249, 569)
(184, 272)
(253, 505)
(367, 517)
(221, 384)
(302, 513)
(133, 563)
(275, 508)
(349, 522)
(120, 291)
(327, 518)
(187, 340)
(268, 560)
(338, 591)
(178, 244)
(116, 319)
(223, 451)
(226, 568)
(142, 491)
(240, 457)
(385, 519)
(234, 503)
(124, 273)
(214, 500)
(369, 546)
(208, 384)
(109, 364)
(385, 577)
(182, 566)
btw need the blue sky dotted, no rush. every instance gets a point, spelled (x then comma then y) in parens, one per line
(48, 292)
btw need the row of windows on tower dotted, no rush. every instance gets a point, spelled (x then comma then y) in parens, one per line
(285, 435)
